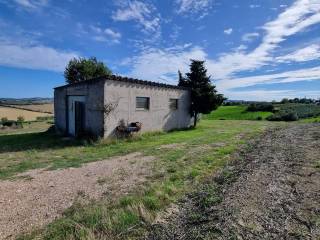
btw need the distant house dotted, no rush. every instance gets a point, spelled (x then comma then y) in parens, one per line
(104, 106)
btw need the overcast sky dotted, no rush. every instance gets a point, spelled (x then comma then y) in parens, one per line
(254, 49)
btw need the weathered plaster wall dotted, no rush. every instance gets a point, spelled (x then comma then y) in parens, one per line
(158, 117)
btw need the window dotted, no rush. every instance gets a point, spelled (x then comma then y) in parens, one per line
(173, 104)
(142, 103)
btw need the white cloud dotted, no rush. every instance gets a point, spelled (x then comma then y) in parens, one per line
(34, 57)
(162, 65)
(140, 12)
(268, 95)
(309, 53)
(254, 6)
(194, 6)
(32, 4)
(301, 15)
(112, 33)
(248, 37)
(158, 64)
(105, 35)
(228, 31)
(306, 74)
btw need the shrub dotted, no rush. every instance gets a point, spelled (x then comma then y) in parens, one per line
(260, 107)
(290, 117)
(302, 110)
(8, 123)
(4, 119)
(44, 118)
(284, 116)
(259, 118)
(20, 119)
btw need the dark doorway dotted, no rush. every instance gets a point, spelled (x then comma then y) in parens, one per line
(79, 118)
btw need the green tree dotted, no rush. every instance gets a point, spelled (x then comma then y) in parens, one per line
(204, 96)
(82, 69)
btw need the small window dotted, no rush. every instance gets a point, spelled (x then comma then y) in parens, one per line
(173, 104)
(142, 103)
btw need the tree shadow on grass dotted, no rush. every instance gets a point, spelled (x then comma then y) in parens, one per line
(35, 141)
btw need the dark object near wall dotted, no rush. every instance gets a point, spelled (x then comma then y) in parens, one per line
(130, 128)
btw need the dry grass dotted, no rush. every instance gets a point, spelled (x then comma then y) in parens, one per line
(14, 113)
(44, 108)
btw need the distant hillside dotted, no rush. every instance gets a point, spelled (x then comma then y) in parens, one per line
(25, 101)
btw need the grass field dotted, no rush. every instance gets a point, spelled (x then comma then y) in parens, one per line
(43, 108)
(196, 153)
(14, 113)
(235, 113)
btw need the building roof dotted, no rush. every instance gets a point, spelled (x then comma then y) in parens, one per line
(123, 79)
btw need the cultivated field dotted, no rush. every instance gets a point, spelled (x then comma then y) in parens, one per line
(44, 108)
(14, 113)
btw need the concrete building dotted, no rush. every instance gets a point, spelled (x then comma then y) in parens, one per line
(104, 106)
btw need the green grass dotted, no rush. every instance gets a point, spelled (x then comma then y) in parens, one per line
(311, 120)
(22, 152)
(177, 170)
(235, 113)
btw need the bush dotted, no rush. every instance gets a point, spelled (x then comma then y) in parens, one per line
(8, 123)
(4, 119)
(288, 117)
(11, 123)
(20, 119)
(260, 107)
(259, 118)
(44, 118)
(302, 110)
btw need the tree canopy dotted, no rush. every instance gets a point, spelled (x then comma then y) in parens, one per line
(204, 96)
(81, 69)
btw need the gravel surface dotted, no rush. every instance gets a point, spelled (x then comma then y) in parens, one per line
(40, 196)
(270, 191)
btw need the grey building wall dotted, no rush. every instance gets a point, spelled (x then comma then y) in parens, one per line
(94, 98)
(158, 117)
(123, 95)
(60, 110)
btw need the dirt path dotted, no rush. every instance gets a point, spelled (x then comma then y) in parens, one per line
(41, 196)
(271, 192)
